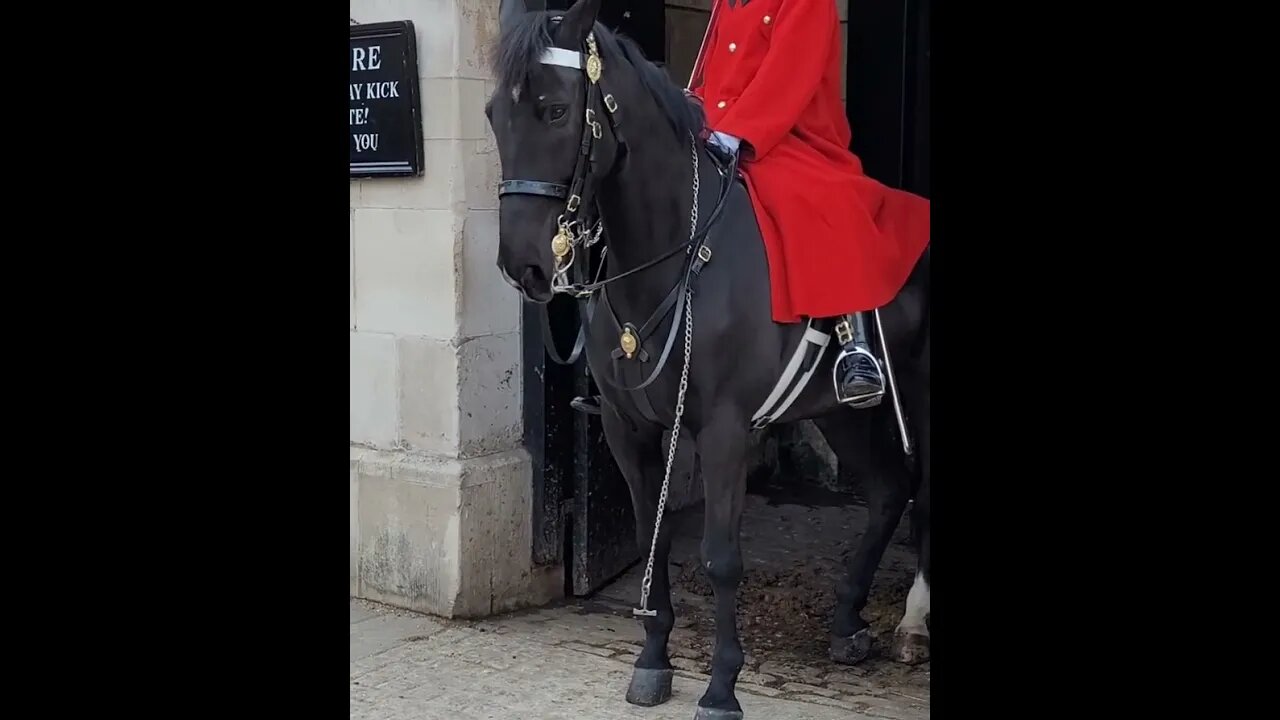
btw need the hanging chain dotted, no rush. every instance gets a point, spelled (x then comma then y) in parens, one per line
(643, 610)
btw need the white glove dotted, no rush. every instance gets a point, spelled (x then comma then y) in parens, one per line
(726, 141)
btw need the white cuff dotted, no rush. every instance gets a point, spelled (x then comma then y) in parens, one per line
(726, 141)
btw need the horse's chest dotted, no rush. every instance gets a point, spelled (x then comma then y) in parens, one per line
(623, 360)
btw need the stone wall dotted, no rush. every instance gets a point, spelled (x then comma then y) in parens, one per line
(440, 484)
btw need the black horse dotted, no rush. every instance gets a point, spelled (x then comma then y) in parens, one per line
(590, 134)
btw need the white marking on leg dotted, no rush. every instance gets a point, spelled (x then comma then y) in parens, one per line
(917, 609)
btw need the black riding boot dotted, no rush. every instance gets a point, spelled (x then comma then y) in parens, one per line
(858, 380)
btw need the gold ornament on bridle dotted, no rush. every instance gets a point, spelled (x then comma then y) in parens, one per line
(595, 66)
(562, 241)
(628, 343)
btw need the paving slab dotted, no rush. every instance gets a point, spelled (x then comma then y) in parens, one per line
(374, 631)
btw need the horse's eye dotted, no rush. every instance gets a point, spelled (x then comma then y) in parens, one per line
(558, 112)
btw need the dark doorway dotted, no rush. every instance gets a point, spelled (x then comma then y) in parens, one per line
(887, 90)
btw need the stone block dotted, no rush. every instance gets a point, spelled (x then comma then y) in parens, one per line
(409, 530)
(432, 191)
(489, 305)
(435, 33)
(812, 689)
(436, 43)
(472, 124)
(405, 272)
(476, 34)
(497, 532)
(428, 394)
(483, 172)
(351, 222)
(374, 377)
(355, 529)
(447, 537)
(440, 110)
(489, 378)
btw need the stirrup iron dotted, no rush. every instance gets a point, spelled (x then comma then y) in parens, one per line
(867, 400)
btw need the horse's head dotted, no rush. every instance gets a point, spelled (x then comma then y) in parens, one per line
(547, 114)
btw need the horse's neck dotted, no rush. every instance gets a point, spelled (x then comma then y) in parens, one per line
(647, 213)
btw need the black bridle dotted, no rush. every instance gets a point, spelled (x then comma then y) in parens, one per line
(582, 213)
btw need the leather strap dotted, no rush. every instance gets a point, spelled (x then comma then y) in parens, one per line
(533, 187)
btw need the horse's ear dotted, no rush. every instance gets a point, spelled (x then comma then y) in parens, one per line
(579, 20)
(509, 10)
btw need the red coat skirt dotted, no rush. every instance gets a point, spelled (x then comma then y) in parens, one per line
(837, 241)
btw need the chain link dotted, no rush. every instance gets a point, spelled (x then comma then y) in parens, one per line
(644, 610)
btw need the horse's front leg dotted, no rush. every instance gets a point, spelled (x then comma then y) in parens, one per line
(722, 446)
(637, 451)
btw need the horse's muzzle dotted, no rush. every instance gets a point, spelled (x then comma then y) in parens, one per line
(533, 285)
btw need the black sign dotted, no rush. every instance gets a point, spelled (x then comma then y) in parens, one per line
(385, 110)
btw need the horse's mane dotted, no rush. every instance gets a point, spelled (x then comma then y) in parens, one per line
(521, 45)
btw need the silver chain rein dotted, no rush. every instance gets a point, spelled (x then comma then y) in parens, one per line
(643, 610)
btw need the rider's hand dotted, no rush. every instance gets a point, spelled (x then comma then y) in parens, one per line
(725, 142)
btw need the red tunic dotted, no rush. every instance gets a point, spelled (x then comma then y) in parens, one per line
(837, 241)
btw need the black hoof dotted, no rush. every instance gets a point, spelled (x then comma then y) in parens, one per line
(650, 686)
(852, 650)
(715, 714)
(910, 649)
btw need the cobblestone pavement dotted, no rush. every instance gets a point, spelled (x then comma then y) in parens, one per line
(561, 663)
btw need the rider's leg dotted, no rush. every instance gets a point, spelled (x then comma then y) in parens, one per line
(857, 376)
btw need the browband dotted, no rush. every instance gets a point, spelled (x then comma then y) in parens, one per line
(562, 57)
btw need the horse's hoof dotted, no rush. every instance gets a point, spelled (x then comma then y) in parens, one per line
(715, 714)
(650, 686)
(911, 649)
(851, 650)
